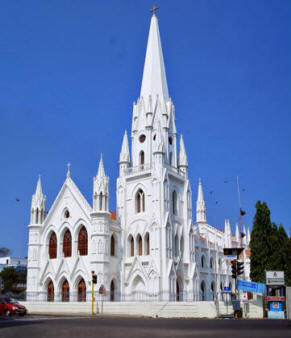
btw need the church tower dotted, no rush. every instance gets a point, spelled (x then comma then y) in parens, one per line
(37, 215)
(154, 203)
(100, 218)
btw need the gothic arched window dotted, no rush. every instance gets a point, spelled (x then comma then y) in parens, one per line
(67, 244)
(141, 159)
(202, 286)
(82, 291)
(112, 246)
(140, 201)
(202, 261)
(67, 214)
(176, 241)
(65, 291)
(171, 158)
(50, 292)
(36, 216)
(53, 246)
(147, 243)
(174, 202)
(211, 263)
(100, 201)
(83, 242)
(130, 246)
(139, 245)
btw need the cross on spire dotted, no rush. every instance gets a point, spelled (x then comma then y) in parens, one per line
(154, 9)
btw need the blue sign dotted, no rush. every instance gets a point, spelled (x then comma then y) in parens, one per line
(227, 289)
(250, 286)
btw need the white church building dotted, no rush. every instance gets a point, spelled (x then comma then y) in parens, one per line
(151, 248)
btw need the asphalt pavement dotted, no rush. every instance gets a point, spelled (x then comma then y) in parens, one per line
(112, 326)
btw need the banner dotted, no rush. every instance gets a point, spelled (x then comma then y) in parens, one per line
(250, 286)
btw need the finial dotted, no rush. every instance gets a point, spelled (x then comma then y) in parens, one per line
(154, 9)
(69, 169)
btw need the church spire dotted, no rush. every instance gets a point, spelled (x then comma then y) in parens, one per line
(38, 191)
(200, 205)
(154, 81)
(101, 189)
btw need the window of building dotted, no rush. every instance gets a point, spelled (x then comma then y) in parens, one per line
(171, 158)
(202, 261)
(140, 201)
(112, 246)
(147, 244)
(202, 286)
(130, 246)
(100, 201)
(141, 158)
(83, 242)
(142, 138)
(36, 216)
(53, 246)
(176, 241)
(139, 245)
(170, 140)
(50, 292)
(65, 291)
(174, 202)
(154, 137)
(82, 291)
(211, 263)
(67, 244)
(67, 214)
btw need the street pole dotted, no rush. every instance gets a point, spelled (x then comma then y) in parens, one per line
(92, 310)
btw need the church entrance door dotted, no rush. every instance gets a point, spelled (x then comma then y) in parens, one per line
(82, 291)
(65, 291)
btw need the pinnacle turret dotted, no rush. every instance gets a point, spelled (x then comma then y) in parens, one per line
(183, 162)
(38, 204)
(200, 205)
(236, 232)
(101, 189)
(159, 148)
(124, 154)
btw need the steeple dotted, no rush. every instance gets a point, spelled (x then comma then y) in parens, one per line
(38, 205)
(200, 205)
(101, 189)
(154, 81)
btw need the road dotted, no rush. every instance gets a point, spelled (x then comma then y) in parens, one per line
(87, 327)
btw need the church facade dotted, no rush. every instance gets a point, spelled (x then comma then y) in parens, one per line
(151, 248)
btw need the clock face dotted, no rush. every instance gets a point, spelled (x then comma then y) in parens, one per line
(142, 138)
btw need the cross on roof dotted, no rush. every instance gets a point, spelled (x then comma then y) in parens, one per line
(153, 10)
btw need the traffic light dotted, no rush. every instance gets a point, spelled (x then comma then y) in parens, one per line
(234, 268)
(94, 279)
(240, 268)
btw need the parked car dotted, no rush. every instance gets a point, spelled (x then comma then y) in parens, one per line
(9, 306)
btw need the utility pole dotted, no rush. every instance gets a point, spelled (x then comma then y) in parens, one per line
(93, 281)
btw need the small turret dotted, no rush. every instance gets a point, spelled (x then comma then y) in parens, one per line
(38, 205)
(248, 236)
(124, 158)
(101, 189)
(200, 205)
(227, 234)
(245, 237)
(183, 162)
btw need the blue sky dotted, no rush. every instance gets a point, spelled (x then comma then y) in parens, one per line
(70, 71)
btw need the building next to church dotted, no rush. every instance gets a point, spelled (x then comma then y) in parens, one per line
(151, 248)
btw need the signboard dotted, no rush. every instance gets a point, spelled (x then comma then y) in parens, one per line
(227, 289)
(250, 286)
(232, 251)
(275, 278)
(275, 298)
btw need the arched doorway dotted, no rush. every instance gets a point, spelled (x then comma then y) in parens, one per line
(138, 289)
(82, 291)
(112, 291)
(179, 291)
(50, 292)
(202, 290)
(65, 291)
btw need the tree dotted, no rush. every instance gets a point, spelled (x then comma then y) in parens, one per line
(9, 278)
(260, 243)
(4, 252)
